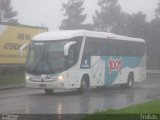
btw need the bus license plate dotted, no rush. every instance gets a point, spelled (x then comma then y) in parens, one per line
(42, 85)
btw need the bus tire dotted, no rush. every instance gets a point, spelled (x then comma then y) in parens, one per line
(130, 80)
(48, 91)
(84, 84)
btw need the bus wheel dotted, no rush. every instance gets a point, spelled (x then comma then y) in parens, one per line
(130, 81)
(84, 85)
(49, 91)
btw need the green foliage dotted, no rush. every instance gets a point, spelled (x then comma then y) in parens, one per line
(10, 75)
(152, 36)
(6, 11)
(111, 18)
(74, 16)
(109, 15)
(150, 109)
(137, 25)
(157, 11)
(12, 78)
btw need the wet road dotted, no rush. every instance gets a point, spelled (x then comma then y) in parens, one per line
(27, 101)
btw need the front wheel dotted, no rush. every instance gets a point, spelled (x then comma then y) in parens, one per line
(84, 85)
(49, 91)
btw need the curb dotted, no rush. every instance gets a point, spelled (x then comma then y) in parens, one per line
(6, 87)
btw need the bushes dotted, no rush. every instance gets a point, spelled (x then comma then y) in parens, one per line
(10, 75)
(12, 69)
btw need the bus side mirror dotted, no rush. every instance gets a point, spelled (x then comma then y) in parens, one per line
(67, 46)
(22, 48)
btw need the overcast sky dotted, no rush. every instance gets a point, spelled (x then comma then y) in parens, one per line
(49, 13)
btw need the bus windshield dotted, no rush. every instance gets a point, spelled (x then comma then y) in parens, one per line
(45, 57)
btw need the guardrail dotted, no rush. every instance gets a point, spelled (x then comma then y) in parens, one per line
(153, 71)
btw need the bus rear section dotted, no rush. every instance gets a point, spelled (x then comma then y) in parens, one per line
(115, 61)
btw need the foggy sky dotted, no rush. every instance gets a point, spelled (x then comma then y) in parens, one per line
(49, 13)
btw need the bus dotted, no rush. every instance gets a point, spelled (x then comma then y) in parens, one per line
(80, 59)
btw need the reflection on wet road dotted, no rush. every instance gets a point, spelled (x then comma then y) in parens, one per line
(27, 101)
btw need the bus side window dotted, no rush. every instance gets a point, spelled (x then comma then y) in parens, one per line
(89, 48)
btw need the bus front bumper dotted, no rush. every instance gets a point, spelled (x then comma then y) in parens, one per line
(45, 85)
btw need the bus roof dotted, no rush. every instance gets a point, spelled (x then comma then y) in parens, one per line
(67, 34)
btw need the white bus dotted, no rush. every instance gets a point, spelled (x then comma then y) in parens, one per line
(79, 59)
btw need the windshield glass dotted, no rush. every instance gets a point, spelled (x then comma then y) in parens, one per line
(55, 59)
(45, 57)
(48, 57)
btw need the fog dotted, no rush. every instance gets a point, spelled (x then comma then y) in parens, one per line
(49, 13)
(79, 72)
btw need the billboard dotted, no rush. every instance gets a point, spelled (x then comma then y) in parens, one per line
(12, 38)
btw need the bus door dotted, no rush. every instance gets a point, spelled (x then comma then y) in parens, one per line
(98, 70)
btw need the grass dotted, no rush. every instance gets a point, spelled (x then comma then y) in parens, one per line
(11, 79)
(150, 109)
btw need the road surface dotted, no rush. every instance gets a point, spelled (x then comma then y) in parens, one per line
(29, 101)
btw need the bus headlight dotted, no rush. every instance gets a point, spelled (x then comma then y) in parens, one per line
(61, 77)
(28, 78)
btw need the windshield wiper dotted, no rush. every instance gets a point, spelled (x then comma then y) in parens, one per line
(40, 60)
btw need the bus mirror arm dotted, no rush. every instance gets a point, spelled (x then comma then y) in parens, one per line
(22, 48)
(67, 46)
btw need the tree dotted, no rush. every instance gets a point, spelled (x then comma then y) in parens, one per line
(153, 43)
(157, 11)
(74, 17)
(6, 11)
(152, 37)
(108, 16)
(123, 24)
(138, 24)
(154, 40)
